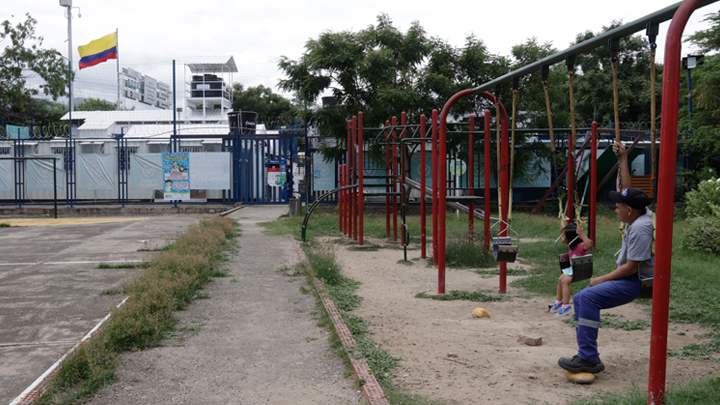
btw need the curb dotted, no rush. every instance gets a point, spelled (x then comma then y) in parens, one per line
(371, 388)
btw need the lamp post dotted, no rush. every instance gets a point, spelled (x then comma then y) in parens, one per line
(689, 63)
(68, 5)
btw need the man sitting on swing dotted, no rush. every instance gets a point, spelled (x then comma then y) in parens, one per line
(621, 285)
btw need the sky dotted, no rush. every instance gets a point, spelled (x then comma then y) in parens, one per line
(152, 33)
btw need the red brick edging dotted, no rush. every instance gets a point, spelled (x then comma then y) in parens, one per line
(371, 389)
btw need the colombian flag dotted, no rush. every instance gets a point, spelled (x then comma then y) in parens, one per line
(98, 51)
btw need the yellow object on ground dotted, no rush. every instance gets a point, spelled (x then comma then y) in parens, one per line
(580, 378)
(62, 221)
(480, 313)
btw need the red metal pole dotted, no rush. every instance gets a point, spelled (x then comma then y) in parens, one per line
(387, 180)
(593, 183)
(361, 195)
(341, 199)
(434, 125)
(354, 177)
(471, 206)
(348, 179)
(666, 202)
(423, 233)
(394, 173)
(486, 160)
(403, 123)
(442, 186)
(504, 174)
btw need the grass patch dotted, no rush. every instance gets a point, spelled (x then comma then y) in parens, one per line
(110, 292)
(171, 281)
(706, 391)
(475, 296)
(4, 225)
(127, 265)
(638, 324)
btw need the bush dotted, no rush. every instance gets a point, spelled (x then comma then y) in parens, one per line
(704, 232)
(700, 202)
(703, 211)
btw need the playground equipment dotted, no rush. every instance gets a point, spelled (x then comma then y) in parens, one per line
(679, 14)
(503, 249)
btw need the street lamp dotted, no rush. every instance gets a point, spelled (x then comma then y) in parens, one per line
(689, 63)
(68, 5)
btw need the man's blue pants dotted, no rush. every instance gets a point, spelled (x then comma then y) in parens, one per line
(588, 304)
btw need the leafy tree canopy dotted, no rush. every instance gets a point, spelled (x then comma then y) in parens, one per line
(262, 100)
(96, 104)
(703, 130)
(22, 58)
(382, 72)
(594, 81)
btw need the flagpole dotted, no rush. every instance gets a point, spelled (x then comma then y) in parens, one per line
(117, 59)
(70, 58)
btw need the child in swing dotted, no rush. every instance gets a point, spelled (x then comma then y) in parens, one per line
(578, 243)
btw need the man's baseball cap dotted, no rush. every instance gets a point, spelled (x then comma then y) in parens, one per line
(632, 197)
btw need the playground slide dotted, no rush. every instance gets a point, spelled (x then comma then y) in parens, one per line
(479, 213)
(605, 164)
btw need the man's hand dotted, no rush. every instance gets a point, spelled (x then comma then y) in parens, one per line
(595, 281)
(619, 149)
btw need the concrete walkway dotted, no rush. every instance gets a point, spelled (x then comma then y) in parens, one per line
(255, 341)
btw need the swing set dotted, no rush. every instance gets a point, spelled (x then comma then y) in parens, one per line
(352, 188)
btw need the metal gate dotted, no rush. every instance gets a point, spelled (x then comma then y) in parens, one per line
(252, 156)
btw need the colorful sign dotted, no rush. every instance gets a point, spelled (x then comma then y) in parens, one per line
(276, 173)
(176, 174)
(458, 167)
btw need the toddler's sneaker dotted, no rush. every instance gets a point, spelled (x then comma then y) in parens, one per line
(564, 311)
(556, 307)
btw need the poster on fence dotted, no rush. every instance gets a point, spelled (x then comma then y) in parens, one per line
(323, 173)
(176, 174)
(276, 173)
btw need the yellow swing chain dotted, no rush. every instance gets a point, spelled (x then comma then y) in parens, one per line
(614, 45)
(653, 134)
(549, 115)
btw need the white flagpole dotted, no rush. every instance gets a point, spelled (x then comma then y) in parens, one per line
(117, 59)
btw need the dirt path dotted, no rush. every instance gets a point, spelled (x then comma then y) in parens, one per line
(255, 341)
(448, 355)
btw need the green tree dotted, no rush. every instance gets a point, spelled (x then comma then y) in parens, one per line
(703, 132)
(383, 72)
(23, 57)
(262, 100)
(374, 71)
(95, 104)
(594, 81)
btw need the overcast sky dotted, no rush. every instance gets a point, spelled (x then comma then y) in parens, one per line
(257, 34)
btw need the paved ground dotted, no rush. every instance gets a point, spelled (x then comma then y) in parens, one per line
(50, 286)
(255, 341)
